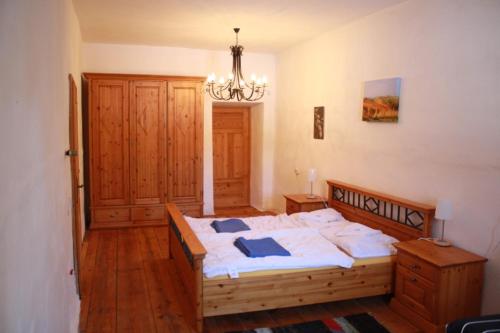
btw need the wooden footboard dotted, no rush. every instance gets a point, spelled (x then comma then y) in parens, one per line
(295, 288)
(187, 253)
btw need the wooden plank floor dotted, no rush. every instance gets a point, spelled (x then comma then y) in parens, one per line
(127, 287)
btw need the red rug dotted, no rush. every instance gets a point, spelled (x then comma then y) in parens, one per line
(358, 323)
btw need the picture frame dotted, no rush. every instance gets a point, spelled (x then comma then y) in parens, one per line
(319, 122)
(381, 100)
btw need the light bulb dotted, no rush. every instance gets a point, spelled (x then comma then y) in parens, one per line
(264, 79)
(242, 83)
(211, 77)
(259, 81)
(221, 80)
(253, 77)
(230, 76)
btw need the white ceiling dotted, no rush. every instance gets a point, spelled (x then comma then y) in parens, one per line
(266, 26)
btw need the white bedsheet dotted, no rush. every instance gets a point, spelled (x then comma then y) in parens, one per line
(307, 247)
(256, 223)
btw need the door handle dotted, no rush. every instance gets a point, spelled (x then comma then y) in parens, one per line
(71, 152)
(80, 186)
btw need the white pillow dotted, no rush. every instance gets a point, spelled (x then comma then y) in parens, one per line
(325, 215)
(367, 246)
(357, 229)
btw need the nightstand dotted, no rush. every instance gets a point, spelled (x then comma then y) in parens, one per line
(300, 203)
(436, 285)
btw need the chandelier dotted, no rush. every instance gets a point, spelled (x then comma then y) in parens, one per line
(236, 87)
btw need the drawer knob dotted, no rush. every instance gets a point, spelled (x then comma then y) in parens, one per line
(414, 266)
(413, 279)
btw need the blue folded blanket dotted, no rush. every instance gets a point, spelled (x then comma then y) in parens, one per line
(256, 248)
(230, 225)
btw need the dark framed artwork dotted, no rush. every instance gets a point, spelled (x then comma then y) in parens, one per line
(319, 122)
(381, 100)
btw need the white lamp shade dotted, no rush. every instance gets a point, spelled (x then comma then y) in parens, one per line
(444, 210)
(311, 175)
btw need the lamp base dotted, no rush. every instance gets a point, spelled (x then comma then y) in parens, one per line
(441, 242)
(311, 196)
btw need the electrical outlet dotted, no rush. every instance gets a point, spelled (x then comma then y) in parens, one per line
(297, 172)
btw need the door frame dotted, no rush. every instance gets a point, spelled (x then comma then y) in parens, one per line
(73, 153)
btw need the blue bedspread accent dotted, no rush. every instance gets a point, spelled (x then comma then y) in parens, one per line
(257, 248)
(230, 225)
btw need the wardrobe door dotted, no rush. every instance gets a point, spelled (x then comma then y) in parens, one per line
(185, 143)
(148, 134)
(109, 135)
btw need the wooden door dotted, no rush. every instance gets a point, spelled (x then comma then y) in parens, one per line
(231, 154)
(109, 134)
(148, 134)
(73, 153)
(185, 142)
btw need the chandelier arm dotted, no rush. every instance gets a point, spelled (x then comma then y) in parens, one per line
(212, 92)
(218, 93)
(251, 94)
(221, 93)
(260, 94)
(251, 85)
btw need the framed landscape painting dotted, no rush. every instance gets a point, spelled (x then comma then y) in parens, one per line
(381, 100)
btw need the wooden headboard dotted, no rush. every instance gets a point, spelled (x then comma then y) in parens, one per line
(400, 218)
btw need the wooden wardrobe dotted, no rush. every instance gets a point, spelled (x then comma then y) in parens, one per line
(143, 139)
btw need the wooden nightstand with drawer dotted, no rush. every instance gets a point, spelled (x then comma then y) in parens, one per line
(301, 203)
(436, 285)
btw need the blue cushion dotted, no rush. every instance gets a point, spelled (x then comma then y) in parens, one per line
(257, 248)
(230, 225)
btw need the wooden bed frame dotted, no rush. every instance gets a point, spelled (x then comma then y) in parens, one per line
(397, 217)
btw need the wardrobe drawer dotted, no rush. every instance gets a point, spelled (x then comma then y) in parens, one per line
(112, 214)
(418, 266)
(148, 213)
(416, 292)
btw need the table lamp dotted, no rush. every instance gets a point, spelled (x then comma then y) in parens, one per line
(311, 176)
(444, 211)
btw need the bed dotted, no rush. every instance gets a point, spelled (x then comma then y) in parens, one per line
(272, 289)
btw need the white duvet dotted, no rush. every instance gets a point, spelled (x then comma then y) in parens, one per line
(307, 247)
(256, 223)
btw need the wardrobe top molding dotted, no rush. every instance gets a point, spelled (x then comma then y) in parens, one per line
(91, 76)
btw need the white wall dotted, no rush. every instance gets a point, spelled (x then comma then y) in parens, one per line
(40, 43)
(136, 59)
(446, 144)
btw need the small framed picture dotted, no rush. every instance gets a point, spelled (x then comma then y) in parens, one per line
(319, 122)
